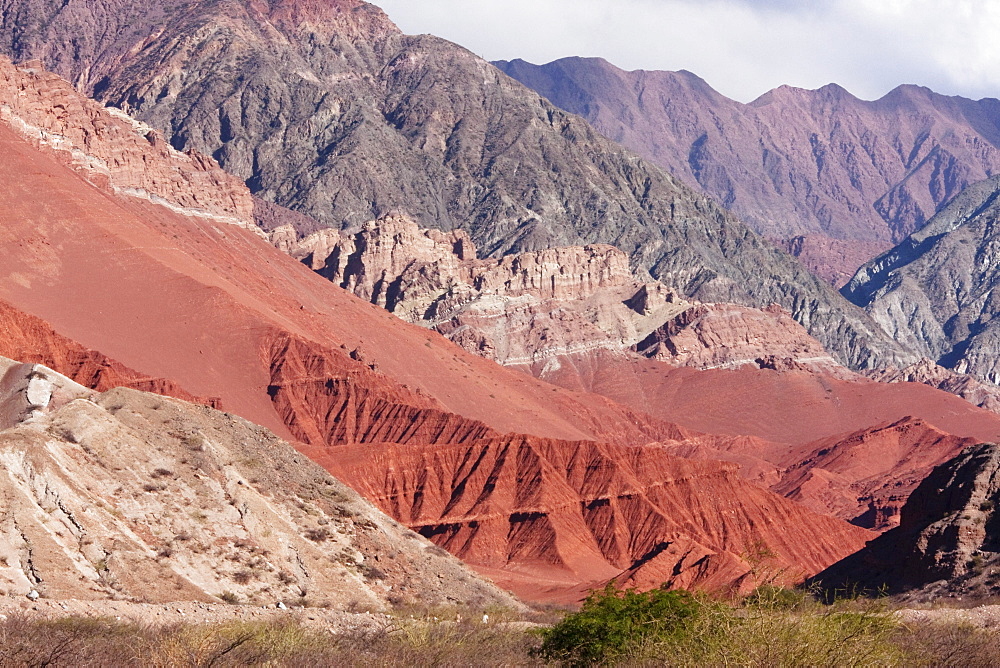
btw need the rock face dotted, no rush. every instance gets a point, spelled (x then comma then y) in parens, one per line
(712, 336)
(947, 539)
(113, 150)
(29, 390)
(545, 516)
(535, 309)
(327, 109)
(131, 495)
(838, 178)
(936, 291)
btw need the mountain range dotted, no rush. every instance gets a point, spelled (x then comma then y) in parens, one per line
(328, 109)
(834, 178)
(241, 235)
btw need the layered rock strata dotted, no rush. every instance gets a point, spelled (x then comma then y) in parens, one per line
(115, 151)
(534, 310)
(542, 516)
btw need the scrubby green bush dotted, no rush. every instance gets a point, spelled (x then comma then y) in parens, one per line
(772, 626)
(614, 624)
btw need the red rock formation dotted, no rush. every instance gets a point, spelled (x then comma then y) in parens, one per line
(535, 309)
(545, 516)
(112, 150)
(709, 336)
(867, 476)
(24, 337)
(215, 309)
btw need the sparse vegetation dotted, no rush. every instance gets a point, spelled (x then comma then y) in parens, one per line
(318, 535)
(230, 597)
(771, 627)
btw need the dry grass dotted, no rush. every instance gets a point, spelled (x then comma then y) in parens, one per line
(780, 631)
(85, 642)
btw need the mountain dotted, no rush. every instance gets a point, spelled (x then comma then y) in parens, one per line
(576, 311)
(835, 178)
(170, 285)
(540, 309)
(326, 108)
(936, 290)
(128, 495)
(948, 540)
(550, 519)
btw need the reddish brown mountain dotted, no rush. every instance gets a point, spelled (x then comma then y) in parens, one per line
(783, 406)
(327, 108)
(178, 292)
(847, 176)
(544, 517)
(24, 337)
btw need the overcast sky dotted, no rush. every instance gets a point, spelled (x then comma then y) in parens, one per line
(741, 47)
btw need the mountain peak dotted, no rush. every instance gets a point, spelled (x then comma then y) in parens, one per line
(325, 13)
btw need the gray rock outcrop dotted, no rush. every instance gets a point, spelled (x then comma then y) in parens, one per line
(937, 291)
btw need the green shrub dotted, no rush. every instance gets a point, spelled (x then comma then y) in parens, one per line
(613, 624)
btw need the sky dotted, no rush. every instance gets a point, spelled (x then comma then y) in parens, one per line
(743, 48)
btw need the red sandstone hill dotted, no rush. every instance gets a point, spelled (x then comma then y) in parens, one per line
(545, 517)
(165, 288)
(791, 407)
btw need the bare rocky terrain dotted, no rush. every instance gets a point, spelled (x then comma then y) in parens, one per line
(536, 310)
(133, 496)
(835, 178)
(936, 291)
(946, 544)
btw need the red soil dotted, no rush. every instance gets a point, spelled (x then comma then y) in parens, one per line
(790, 407)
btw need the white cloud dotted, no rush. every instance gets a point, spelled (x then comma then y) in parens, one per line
(741, 47)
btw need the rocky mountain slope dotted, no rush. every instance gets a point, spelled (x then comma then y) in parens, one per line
(549, 519)
(947, 541)
(864, 477)
(936, 291)
(536, 310)
(141, 283)
(578, 308)
(33, 340)
(836, 178)
(134, 496)
(328, 109)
